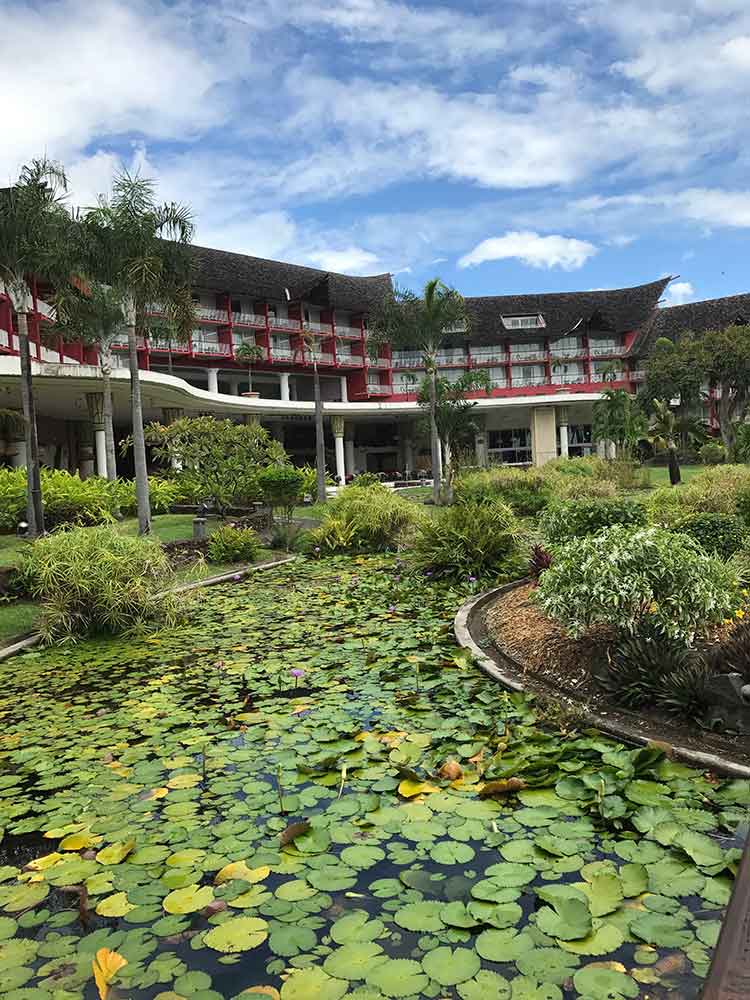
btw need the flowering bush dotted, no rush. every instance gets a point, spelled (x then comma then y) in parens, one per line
(638, 579)
(576, 518)
(470, 540)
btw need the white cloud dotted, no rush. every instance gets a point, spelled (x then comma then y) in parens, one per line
(678, 293)
(350, 260)
(711, 206)
(532, 249)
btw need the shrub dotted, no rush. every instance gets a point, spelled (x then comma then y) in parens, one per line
(67, 498)
(539, 561)
(712, 453)
(637, 579)
(719, 489)
(718, 534)
(659, 672)
(576, 518)
(366, 479)
(666, 506)
(470, 540)
(283, 487)
(163, 493)
(527, 491)
(229, 544)
(567, 487)
(92, 580)
(372, 518)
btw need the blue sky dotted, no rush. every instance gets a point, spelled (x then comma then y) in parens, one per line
(516, 146)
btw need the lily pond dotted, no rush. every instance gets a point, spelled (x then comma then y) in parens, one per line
(310, 793)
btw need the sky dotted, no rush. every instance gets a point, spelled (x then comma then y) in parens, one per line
(506, 147)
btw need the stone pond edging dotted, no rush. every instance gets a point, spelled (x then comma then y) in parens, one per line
(509, 672)
(35, 638)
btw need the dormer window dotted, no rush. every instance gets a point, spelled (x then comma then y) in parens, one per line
(523, 322)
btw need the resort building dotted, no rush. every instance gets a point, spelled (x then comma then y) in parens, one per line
(548, 357)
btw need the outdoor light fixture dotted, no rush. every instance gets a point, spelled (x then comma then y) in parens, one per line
(22, 529)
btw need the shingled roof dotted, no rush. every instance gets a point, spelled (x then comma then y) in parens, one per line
(696, 317)
(617, 310)
(221, 271)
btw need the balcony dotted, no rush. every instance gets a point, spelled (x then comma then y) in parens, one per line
(208, 347)
(598, 352)
(567, 352)
(282, 354)
(498, 383)
(376, 389)
(248, 319)
(211, 315)
(408, 359)
(320, 356)
(322, 328)
(447, 358)
(639, 375)
(526, 383)
(379, 362)
(568, 379)
(349, 360)
(528, 355)
(283, 323)
(175, 346)
(487, 355)
(348, 332)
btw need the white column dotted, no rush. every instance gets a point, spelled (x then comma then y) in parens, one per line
(543, 442)
(344, 389)
(409, 457)
(284, 380)
(337, 426)
(611, 450)
(349, 455)
(601, 448)
(562, 423)
(234, 388)
(213, 379)
(17, 454)
(95, 403)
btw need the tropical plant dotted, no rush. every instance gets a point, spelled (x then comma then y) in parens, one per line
(663, 435)
(229, 544)
(139, 248)
(283, 487)
(455, 421)
(713, 453)
(34, 243)
(566, 519)
(579, 487)
(372, 518)
(248, 354)
(423, 323)
(527, 491)
(634, 579)
(618, 416)
(469, 540)
(718, 534)
(94, 315)
(217, 459)
(539, 561)
(312, 347)
(92, 580)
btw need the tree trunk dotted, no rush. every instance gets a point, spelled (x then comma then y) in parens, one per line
(105, 363)
(674, 466)
(437, 462)
(34, 508)
(448, 469)
(725, 411)
(249, 378)
(143, 503)
(320, 441)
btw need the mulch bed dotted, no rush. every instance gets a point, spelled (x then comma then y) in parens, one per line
(555, 663)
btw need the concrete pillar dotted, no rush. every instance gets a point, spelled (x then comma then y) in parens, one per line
(85, 450)
(284, 381)
(601, 449)
(409, 456)
(337, 426)
(543, 438)
(234, 388)
(16, 452)
(349, 454)
(562, 423)
(213, 379)
(95, 403)
(611, 450)
(344, 389)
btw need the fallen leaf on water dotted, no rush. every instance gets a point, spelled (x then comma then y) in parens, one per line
(506, 786)
(293, 831)
(409, 788)
(451, 770)
(106, 965)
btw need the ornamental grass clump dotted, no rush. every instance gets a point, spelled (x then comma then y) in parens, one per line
(229, 544)
(527, 491)
(638, 580)
(93, 580)
(372, 518)
(470, 540)
(568, 519)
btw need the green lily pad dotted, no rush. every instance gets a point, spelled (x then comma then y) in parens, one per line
(423, 917)
(353, 961)
(485, 986)
(356, 926)
(237, 934)
(547, 965)
(288, 940)
(602, 984)
(188, 900)
(312, 984)
(661, 929)
(503, 946)
(398, 977)
(450, 966)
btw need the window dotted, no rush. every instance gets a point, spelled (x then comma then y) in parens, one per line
(195, 297)
(523, 322)
(512, 446)
(236, 305)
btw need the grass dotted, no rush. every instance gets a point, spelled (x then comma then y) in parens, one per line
(17, 619)
(660, 473)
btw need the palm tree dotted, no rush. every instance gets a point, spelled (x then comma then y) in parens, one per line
(423, 323)
(34, 241)
(95, 315)
(139, 247)
(311, 344)
(663, 435)
(249, 354)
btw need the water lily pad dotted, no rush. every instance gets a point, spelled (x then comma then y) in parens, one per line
(356, 926)
(602, 984)
(237, 934)
(661, 929)
(451, 852)
(450, 966)
(288, 940)
(362, 856)
(353, 961)
(547, 965)
(603, 940)
(423, 917)
(312, 984)
(570, 920)
(116, 905)
(503, 945)
(397, 977)
(189, 899)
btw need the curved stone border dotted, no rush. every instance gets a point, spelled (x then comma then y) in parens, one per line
(509, 673)
(36, 638)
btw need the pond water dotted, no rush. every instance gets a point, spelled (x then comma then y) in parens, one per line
(228, 828)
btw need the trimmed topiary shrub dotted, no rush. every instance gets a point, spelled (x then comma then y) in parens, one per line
(638, 580)
(372, 518)
(718, 534)
(228, 544)
(712, 453)
(470, 540)
(283, 487)
(568, 519)
(92, 580)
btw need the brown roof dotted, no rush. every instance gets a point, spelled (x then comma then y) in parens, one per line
(221, 271)
(616, 310)
(696, 317)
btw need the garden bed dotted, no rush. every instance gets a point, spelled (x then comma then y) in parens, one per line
(549, 661)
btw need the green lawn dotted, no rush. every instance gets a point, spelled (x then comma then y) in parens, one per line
(660, 473)
(16, 619)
